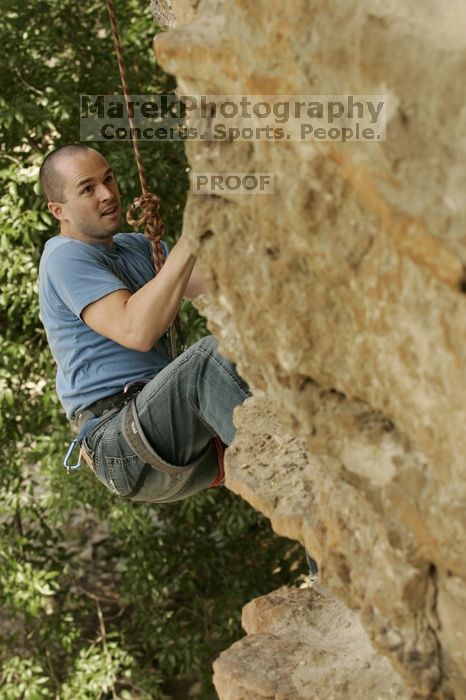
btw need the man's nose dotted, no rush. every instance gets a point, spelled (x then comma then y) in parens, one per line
(104, 192)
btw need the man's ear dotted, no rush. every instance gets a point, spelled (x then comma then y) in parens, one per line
(57, 210)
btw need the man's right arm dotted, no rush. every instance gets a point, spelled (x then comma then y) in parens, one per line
(138, 320)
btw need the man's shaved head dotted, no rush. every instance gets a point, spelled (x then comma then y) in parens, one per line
(51, 180)
(82, 193)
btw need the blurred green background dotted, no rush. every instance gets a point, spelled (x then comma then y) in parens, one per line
(99, 597)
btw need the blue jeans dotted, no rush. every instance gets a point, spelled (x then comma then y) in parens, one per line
(181, 409)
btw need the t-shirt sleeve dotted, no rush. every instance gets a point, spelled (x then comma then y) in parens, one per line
(77, 277)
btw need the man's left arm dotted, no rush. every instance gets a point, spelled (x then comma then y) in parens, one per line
(196, 283)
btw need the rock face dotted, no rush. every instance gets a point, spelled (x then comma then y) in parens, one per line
(304, 645)
(342, 297)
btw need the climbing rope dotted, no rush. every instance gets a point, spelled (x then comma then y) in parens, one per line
(148, 203)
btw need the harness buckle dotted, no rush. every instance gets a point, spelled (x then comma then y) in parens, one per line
(71, 467)
(135, 383)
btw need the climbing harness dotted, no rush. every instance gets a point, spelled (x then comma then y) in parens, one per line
(182, 478)
(136, 439)
(97, 409)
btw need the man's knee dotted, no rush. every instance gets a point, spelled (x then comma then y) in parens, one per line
(208, 343)
(209, 347)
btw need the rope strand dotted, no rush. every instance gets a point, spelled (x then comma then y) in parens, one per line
(148, 203)
(125, 86)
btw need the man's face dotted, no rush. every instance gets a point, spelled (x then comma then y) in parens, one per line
(91, 211)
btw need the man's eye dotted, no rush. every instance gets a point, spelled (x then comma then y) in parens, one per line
(87, 189)
(109, 178)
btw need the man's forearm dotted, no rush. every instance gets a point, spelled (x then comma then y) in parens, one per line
(196, 284)
(151, 310)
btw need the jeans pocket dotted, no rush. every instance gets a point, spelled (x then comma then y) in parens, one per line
(122, 473)
(115, 465)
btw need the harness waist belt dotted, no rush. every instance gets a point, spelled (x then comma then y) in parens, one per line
(98, 408)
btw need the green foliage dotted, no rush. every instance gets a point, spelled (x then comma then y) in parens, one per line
(24, 678)
(99, 597)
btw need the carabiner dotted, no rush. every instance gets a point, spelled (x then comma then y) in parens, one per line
(71, 467)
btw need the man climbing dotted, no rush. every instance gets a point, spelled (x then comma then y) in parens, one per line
(151, 428)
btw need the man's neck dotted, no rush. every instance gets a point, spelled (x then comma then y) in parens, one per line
(108, 241)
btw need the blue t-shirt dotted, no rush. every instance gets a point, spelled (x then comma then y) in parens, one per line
(73, 274)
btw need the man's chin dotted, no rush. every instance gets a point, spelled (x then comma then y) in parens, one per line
(113, 226)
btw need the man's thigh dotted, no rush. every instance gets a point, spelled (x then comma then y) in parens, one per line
(180, 410)
(167, 411)
(122, 472)
(191, 401)
(172, 425)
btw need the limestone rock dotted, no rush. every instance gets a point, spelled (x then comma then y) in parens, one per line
(360, 554)
(168, 13)
(162, 11)
(342, 297)
(327, 653)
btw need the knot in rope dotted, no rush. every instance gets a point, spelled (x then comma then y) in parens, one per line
(150, 216)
